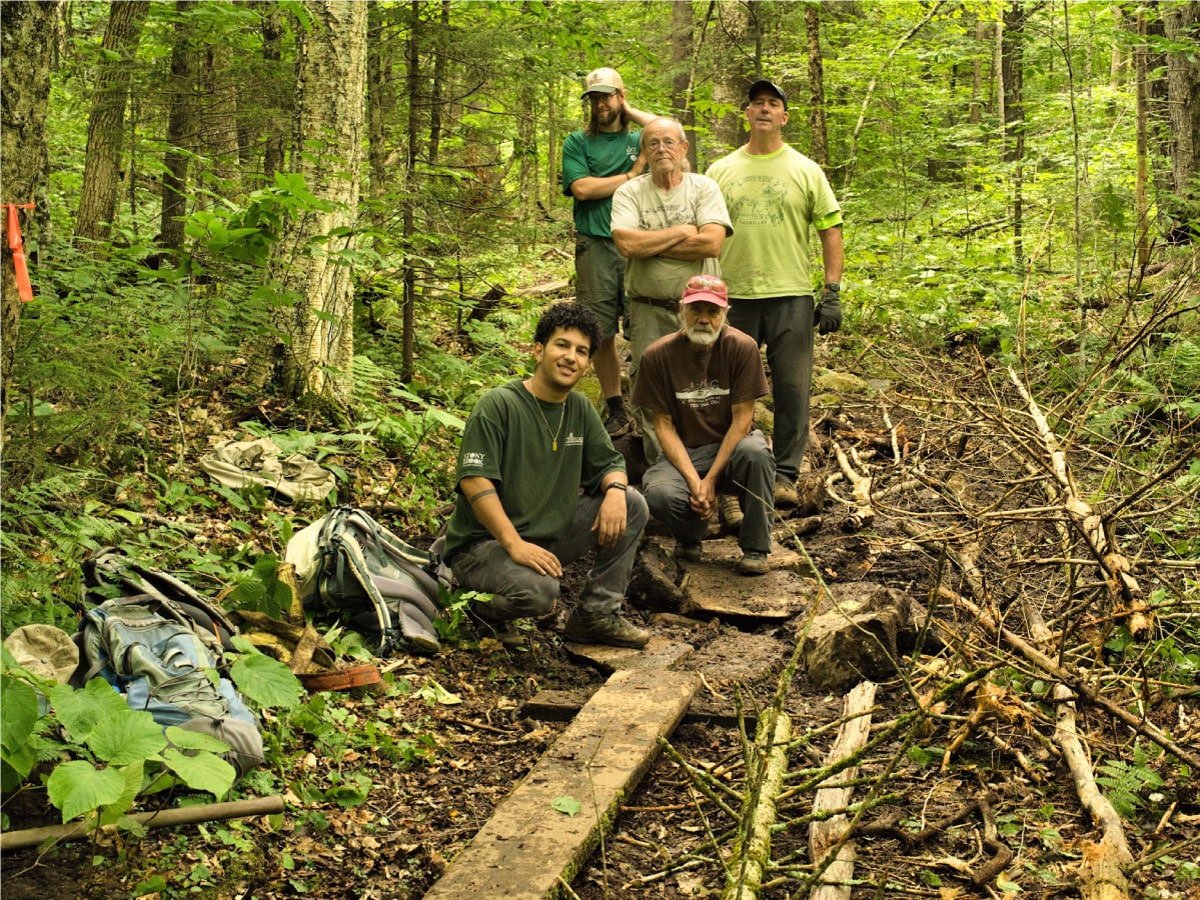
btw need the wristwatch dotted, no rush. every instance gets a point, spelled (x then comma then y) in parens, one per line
(834, 286)
(618, 485)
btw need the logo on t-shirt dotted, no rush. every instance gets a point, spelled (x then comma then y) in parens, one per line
(473, 460)
(573, 440)
(705, 393)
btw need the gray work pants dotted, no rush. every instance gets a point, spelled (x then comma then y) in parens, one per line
(518, 591)
(750, 474)
(785, 325)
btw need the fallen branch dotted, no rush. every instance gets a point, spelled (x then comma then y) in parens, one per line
(188, 815)
(752, 851)
(1100, 869)
(830, 835)
(864, 510)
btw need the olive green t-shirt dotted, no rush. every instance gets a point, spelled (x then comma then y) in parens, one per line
(509, 439)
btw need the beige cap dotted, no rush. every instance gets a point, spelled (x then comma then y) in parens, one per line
(602, 81)
(44, 650)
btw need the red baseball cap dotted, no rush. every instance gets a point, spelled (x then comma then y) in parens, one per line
(706, 289)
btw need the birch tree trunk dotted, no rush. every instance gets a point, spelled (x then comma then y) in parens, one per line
(98, 197)
(28, 29)
(318, 327)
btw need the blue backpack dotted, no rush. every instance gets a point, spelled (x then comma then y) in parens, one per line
(163, 647)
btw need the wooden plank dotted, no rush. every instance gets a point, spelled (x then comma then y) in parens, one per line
(528, 849)
(659, 653)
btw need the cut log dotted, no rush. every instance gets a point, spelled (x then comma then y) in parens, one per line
(828, 835)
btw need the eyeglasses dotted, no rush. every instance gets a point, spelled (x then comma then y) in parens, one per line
(665, 144)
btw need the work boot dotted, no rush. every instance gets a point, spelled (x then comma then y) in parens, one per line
(604, 628)
(786, 494)
(753, 562)
(618, 422)
(688, 551)
(731, 513)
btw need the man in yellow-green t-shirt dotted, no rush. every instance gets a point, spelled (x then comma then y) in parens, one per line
(776, 197)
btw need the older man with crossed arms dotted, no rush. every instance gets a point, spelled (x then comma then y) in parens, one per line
(669, 224)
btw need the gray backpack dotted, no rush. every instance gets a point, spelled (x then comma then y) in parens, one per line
(351, 567)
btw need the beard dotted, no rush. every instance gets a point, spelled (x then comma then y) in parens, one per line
(702, 334)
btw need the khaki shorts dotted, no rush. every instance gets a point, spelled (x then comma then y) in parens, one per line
(600, 281)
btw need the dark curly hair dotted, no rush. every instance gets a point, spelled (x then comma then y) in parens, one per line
(568, 315)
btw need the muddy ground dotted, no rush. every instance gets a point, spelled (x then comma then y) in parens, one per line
(967, 801)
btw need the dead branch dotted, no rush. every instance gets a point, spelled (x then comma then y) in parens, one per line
(752, 857)
(1089, 522)
(864, 511)
(830, 835)
(1101, 868)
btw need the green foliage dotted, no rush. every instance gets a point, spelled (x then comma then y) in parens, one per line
(1125, 782)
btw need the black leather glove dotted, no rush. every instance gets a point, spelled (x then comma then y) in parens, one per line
(828, 314)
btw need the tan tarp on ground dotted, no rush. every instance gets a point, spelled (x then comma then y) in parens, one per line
(236, 464)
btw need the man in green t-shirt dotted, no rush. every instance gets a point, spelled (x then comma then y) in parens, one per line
(776, 196)
(540, 485)
(595, 162)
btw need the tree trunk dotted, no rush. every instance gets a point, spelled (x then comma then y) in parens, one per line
(410, 199)
(272, 130)
(1183, 91)
(1143, 207)
(218, 121)
(819, 147)
(27, 31)
(729, 82)
(316, 358)
(438, 89)
(1012, 65)
(681, 73)
(98, 197)
(381, 109)
(180, 138)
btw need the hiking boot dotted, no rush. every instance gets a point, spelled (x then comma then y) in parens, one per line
(618, 422)
(604, 628)
(731, 512)
(753, 562)
(688, 551)
(786, 494)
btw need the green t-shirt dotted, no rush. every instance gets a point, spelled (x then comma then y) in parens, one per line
(508, 439)
(599, 156)
(774, 202)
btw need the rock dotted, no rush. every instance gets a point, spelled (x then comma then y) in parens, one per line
(858, 638)
(652, 584)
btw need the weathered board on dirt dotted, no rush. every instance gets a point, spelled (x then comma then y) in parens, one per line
(528, 847)
(660, 653)
(711, 587)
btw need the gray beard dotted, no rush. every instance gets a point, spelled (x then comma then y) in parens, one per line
(702, 338)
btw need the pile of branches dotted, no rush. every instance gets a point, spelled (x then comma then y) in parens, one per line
(1053, 598)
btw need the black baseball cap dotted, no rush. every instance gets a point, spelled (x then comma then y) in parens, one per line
(770, 87)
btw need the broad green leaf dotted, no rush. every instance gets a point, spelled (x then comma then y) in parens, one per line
(126, 738)
(19, 701)
(265, 681)
(201, 772)
(78, 787)
(346, 796)
(568, 806)
(115, 811)
(79, 711)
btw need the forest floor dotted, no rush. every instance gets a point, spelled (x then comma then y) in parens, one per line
(974, 800)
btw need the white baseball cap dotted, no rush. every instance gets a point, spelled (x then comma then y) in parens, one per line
(602, 81)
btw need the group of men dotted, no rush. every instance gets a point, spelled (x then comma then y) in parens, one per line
(705, 269)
